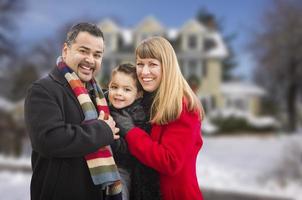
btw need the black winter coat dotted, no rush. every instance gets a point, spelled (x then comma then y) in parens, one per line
(144, 180)
(60, 140)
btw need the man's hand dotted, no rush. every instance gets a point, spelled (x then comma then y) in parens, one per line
(111, 124)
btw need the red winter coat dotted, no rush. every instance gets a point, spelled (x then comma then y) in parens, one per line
(171, 150)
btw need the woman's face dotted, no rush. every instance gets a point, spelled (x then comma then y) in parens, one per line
(149, 73)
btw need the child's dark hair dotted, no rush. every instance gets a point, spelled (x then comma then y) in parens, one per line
(128, 69)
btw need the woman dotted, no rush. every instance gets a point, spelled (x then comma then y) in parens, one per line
(175, 115)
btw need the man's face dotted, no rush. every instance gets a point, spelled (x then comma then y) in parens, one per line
(84, 55)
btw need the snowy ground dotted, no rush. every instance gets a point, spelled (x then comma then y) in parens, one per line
(236, 163)
(246, 164)
(14, 186)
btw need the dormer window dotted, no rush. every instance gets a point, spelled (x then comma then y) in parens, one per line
(194, 66)
(209, 44)
(192, 42)
(144, 36)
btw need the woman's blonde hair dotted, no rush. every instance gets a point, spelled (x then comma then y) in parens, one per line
(167, 103)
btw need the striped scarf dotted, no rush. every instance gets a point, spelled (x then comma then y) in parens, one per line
(102, 167)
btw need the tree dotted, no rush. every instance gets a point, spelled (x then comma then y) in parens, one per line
(22, 78)
(8, 12)
(209, 20)
(277, 48)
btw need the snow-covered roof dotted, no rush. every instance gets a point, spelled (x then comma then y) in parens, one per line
(172, 33)
(241, 88)
(193, 25)
(5, 104)
(220, 51)
(149, 23)
(107, 25)
(127, 35)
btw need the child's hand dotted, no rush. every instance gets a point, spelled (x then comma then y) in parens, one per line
(123, 121)
(111, 123)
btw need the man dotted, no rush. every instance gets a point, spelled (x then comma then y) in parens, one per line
(65, 122)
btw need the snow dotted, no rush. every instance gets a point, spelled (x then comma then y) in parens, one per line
(265, 121)
(243, 164)
(14, 185)
(234, 163)
(13, 161)
(241, 89)
(5, 104)
(229, 112)
(172, 33)
(220, 51)
(208, 128)
(127, 36)
(256, 121)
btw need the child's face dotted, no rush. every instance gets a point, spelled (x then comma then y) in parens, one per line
(122, 90)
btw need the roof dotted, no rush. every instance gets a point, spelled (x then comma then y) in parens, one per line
(107, 25)
(151, 25)
(5, 104)
(241, 88)
(127, 36)
(193, 25)
(220, 51)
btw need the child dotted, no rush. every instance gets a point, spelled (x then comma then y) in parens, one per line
(124, 95)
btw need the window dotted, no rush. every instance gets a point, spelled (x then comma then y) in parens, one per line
(237, 103)
(209, 44)
(240, 104)
(146, 35)
(213, 102)
(204, 69)
(192, 63)
(193, 68)
(106, 68)
(208, 103)
(229, 103)
(192, 41)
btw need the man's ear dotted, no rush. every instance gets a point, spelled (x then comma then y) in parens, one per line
(64, 50)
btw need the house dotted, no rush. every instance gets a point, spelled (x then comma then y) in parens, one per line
(242, 96)
(200, 51)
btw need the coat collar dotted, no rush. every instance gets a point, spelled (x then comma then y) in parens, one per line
(56, 75)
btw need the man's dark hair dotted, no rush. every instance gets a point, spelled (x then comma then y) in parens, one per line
(92, 29)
